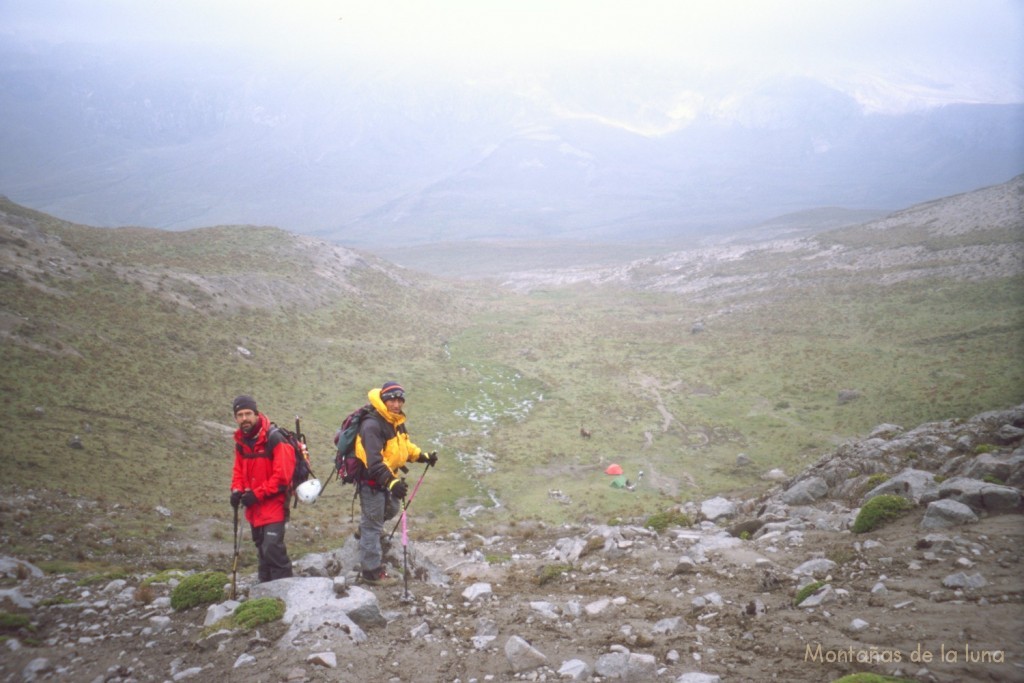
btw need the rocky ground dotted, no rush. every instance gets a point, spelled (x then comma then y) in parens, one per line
(935, 595)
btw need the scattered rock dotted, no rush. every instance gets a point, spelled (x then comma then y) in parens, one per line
(945, 513)
(629, 603)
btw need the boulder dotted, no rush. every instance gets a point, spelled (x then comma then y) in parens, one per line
(947, 512)
(311, 606)
(914, 485)
(805, 492)
(981, 496)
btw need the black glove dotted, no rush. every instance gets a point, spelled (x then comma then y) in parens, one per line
(236, 498)
(249, 498)
(398, 488)
(430, 458)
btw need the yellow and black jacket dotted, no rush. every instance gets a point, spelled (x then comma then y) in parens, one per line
(383, 444)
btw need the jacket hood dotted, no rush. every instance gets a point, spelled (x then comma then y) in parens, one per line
(378, 405)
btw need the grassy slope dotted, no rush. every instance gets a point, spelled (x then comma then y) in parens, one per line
(499, 383)
(763, 382)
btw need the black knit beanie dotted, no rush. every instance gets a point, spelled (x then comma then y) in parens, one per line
(243, 402)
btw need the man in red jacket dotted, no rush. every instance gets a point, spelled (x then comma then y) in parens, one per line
(260, 480)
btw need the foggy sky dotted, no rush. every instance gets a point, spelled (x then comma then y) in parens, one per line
(353, 118)
(892, 55)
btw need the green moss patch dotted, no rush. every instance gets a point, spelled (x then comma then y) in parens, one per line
(663, 520)
(870, 678)
(807, 591)
(199, 589)
(878, 511)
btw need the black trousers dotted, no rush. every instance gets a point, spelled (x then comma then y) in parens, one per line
(273, 556)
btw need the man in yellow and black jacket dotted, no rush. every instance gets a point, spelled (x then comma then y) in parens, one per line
(383, 445)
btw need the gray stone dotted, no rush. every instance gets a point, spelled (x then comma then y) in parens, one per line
(627, 666)
(544, 609)
(11, 567)
(721, 540)
(980, 495)
(244, 659)
(159, 622)
(311, 605)
(567, 550)
(718, 508)
(188, 673)
(910, 484)
(477, 591)
(962, 580)
(1008, 434)
(522, 656)
(328, 659)
(992, 466)
(15, 596)
(946, 513)
(668, 625)
(805, 492)
(574, 670)
(822, 596)
(215, 613)
(818, 567)
(40, 666)
(885, 431)
(698, 677)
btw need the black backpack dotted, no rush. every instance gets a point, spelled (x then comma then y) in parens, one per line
(297, 440)
(350, 468)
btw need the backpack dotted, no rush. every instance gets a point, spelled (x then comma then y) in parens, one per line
(297, 440)
(349, 467)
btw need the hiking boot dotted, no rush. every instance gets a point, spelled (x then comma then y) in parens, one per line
(377, 577)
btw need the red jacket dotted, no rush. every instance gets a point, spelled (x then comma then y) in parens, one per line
(267, 474)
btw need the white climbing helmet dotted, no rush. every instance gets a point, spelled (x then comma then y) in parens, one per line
(309, 490)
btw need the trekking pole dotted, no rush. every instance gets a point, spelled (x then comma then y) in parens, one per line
(408, 502)
(234, 565)
(405, 555)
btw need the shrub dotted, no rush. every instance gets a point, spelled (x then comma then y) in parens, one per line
(550, 572)
(497, 558)
(258, 611)
(663, 520)
(199, 589)
(56, 600)
(874, 480)
(105, 577)
(144, 594)
(13, 622)
(166, 576)
(984, 448)
(840, 555)
(878, 511)
(594, 543)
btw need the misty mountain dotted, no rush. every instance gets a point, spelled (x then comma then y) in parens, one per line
(118, 138)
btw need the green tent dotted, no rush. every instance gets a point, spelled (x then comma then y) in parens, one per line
(620, 482)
